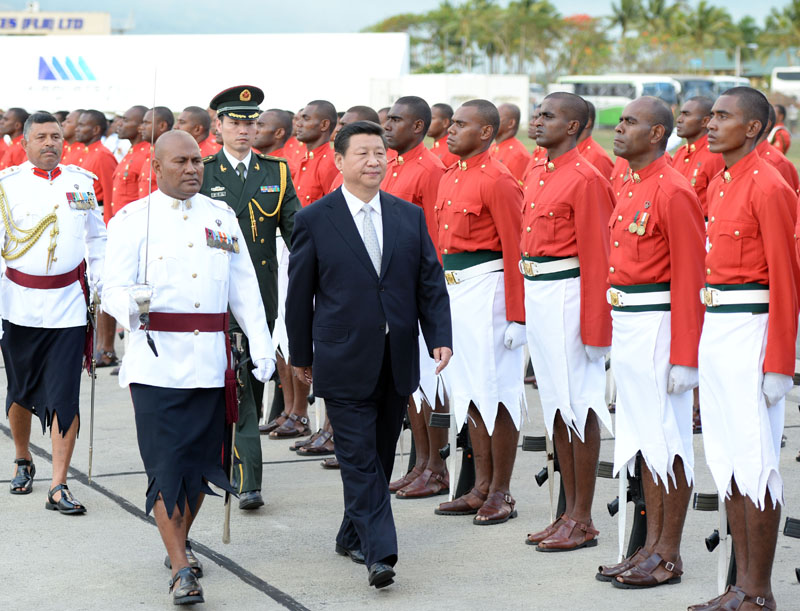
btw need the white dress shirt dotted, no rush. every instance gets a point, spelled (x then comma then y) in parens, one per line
(356, 209)
(80, 233)
(187, 276)
(234, 162)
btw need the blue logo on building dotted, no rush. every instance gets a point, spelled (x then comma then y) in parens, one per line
(66, 70)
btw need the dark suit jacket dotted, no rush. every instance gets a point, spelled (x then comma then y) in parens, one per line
(268, 182)
(337, 306)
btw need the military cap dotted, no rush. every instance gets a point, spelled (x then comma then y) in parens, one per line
(239, 102)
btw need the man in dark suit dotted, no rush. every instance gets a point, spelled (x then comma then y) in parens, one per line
(259, 189)
(363, 274)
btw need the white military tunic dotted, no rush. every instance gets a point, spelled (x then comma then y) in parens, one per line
(188, 276)
(68, 193)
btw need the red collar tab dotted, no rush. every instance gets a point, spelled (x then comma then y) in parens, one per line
(45, 174)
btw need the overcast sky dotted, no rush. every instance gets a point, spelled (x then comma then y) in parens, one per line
(210, 16)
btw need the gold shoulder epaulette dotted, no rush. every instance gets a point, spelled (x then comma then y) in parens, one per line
(209, 158)
(270, 157)
(80, 170)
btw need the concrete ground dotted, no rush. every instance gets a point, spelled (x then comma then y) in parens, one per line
(282, 555)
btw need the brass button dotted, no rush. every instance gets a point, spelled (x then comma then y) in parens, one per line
(616, 244)
(456, 179)
(185, 216)
(630, 193)
(196, 332)
(528, 229)
(261, 219)
(55, 207)
(709, 246)
(611, 269)
(197, 304)
(447, 226)
(194, 275)
(159, 258)
(533, 205)
(619, 218)
(526, 254)
(263, 263)
(190, 244)
(551, 214)
(394, 174)
(465, 210)
(449, 202)
(445, 251)
(712, 219)
(721, 193)
(262, 240)
(736, 232)
(708, 271)
(541, 182)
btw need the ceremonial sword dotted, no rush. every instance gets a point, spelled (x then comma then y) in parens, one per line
(93, 303)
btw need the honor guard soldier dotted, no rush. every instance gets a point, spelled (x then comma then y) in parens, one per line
(413, 173)
(72, 148)
(770, 153)
(478, 209)
(508, 150)
(780, 136)
(260, 191)
(50, 223)
(315, 124)
(656, 272)
(126, 176)
(590, 150)
(694, 160)
(11, 126)
(197, 123)
(155, 123)
(564, 247)
(441, 117)
(273, 130)
(192, 254)
(747, 349)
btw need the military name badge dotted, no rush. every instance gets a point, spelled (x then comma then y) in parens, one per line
(270, 188)
(217, 192)
(81, 200)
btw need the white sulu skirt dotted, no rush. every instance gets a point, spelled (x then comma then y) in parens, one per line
(280, 336)
(568, 381)
(741, 434)
(649, 420)
(430, 385)
(482, 371)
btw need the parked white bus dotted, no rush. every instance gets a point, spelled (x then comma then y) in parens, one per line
(611, 92)
(786, 80)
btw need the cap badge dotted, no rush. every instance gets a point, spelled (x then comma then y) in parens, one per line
(245, 95)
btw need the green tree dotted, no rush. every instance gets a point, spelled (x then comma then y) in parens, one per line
(782, 32)
(711, 27)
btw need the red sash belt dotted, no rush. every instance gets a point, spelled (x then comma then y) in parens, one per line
(179, 322)
(45, 282)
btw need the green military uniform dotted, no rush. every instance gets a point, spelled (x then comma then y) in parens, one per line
(264, 203)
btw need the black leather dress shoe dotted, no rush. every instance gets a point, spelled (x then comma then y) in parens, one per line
(381, 575)
(251, 500)
(354, 554)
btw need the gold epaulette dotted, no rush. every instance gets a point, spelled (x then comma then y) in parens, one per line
(209, 158)
(270, 157)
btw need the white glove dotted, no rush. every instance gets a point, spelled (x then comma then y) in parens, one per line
(775, 387)
(140, 292)
(264, 369)
(681, 379)
(515, 336)
(595, 353)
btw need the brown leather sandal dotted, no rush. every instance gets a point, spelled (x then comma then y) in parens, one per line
(608, 572)
(272, 424)
(461, 506)
(651, 572)
(321, 446)
(538, 537)
(404, 481)
(497, 509)
(289, 428)
(425, 486)
(562, 541)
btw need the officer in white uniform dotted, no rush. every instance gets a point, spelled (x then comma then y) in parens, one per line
(50, 222)
(197, 266)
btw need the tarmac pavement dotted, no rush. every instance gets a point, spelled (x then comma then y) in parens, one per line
(282, 555)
